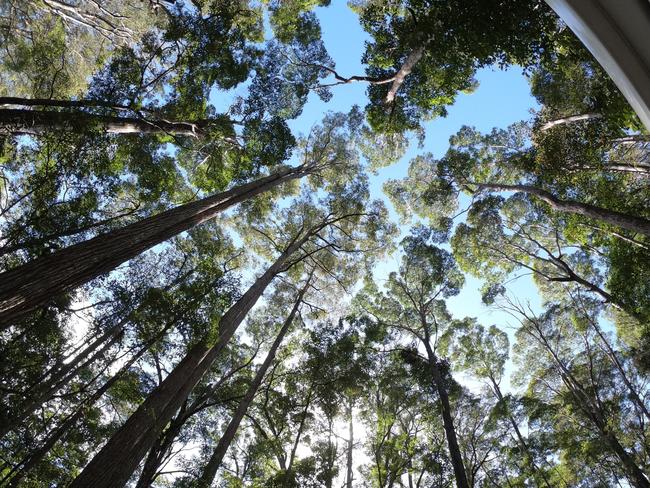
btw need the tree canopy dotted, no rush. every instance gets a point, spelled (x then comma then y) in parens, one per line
(201, 287)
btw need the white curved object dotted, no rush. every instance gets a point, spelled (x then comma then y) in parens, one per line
(617, 32)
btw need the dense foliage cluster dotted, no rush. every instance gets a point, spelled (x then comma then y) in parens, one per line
(189, 290)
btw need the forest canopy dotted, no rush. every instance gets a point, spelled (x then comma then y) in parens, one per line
(202, 287)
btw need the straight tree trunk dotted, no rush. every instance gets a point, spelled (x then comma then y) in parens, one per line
(398, 79)
(211, 468)
(33, 284)
(37, 122)
(114, 464)
(447, 421)
(592, 411)
(611, 217)
(349, 473)
(530, 460)
(163, 445)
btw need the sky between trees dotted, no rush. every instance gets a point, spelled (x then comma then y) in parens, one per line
(317, 244)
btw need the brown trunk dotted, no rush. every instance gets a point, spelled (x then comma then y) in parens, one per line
(447, 421)
(48, 102)
(592, 411)
(210, 469)
(33, 284)
(36, 122)
(530, 460)
(611, 217)
(114, 464)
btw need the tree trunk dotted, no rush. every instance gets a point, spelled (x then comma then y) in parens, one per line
(48, 102)
(210, 469)
(405, 70)
(165, 442)
(114, 464)
(611, 217)
(448, 421)
(528, 457)
(569, 120)
(349, 473)
(37, 122)
(33, 284)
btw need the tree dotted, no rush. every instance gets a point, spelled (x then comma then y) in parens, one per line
(414, 304)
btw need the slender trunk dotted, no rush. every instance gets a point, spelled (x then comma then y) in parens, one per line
(611, 217)
(448, 421)
(592, 411)
(37, 122)
(37, 456)
(349, 473)
(114, 464)
(33, 284)
(210, 469)
(569, 120)
(611, 353)
(42, 395)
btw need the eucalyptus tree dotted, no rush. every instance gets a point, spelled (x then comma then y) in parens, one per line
(405, 441)
(414, 306)
(482, 352)
(571, 375)
(209, 470)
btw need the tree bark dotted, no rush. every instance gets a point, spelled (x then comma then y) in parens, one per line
(211, 468)
(405, 70)
(114, 464)
(37, 122)
(33, 284)
(447, 420)
(611, 217)
(569, 120)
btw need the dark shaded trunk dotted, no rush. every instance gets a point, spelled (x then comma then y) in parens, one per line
(33, 284)
(447, 420)
(211, 468)
(36, 122)
(593, 413)
(114, 464)
(48, 102)
(611, 217)
(162, 448)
